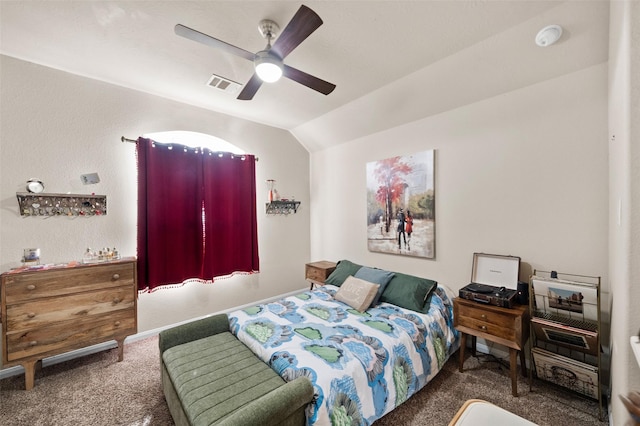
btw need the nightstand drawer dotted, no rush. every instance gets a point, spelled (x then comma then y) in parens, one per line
(507, 326)
(481, 314)
(318, 272)
(484, 326)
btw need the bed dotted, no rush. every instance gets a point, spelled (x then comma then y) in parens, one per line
(362, 363)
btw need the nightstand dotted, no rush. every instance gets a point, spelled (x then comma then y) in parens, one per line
(506, 326)
(317, 272)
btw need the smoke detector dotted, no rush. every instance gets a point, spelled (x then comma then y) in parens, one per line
(548, 35)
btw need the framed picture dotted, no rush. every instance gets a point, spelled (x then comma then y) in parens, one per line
(567, 372)
(31, 255)
(569, 299)
(401, 214)
(566, 336)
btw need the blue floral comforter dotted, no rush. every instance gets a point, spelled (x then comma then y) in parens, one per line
(362, 365)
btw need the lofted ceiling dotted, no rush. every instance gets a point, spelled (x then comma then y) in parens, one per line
(393, 62)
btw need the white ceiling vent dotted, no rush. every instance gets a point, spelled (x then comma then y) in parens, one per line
(223, 84)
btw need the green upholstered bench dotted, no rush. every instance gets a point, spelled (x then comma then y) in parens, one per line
(209, 377)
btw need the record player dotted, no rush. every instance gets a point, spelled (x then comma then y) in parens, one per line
(494, 280)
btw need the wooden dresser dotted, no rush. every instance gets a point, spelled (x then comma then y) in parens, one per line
(51, 311)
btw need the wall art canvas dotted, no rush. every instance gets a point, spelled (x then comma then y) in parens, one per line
(401, 213)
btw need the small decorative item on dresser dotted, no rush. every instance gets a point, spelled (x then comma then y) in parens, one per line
(317, 272)
(31, 255)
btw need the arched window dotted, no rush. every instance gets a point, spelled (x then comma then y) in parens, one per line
(196, 210)
(193, 140)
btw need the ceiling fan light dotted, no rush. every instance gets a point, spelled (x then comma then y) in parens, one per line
(268, 67)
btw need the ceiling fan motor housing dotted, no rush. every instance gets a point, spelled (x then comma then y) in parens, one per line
(268, 29)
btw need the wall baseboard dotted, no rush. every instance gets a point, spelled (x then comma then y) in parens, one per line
(67, 356)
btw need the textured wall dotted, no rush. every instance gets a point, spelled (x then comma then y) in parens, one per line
(523, 173)
(56, 126)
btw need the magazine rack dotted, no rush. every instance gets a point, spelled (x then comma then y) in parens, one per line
(566, 332)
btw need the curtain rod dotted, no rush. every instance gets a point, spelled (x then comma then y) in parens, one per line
(123, 139)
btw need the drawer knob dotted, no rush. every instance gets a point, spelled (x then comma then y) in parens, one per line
(31, 287)
(33, 343)
(115, 277)
(116, 300)
(483, 327)
(117, 323)
(484, 316)
(31, 314)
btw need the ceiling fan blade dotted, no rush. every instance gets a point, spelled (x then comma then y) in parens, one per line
(194, 35)
(308, 80)
(250, 88)
(303, 23)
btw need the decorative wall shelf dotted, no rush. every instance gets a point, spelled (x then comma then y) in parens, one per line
(282, 207)
(42, 204)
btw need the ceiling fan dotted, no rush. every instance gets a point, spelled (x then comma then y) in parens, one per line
(269, 60)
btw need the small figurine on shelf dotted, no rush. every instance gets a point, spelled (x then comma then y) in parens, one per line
(271, 185)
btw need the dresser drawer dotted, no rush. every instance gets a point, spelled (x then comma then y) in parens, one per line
(40, 312)
(38, 284)
(70, 335)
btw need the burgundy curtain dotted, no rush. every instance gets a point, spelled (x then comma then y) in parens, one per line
(196, 214)
(231, 233)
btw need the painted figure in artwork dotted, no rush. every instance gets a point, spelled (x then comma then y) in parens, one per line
(408, 228)
(401, 220)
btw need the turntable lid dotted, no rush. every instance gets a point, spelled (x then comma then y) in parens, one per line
(496, 270)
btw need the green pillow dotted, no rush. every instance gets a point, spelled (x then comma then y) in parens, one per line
(408, 291)
(344, 269)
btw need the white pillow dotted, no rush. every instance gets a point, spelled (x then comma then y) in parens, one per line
(357, 293)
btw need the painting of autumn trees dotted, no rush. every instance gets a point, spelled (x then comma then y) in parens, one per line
(401, 205)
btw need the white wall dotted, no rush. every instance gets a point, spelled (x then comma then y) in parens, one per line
(524, 173)
(56, 126)
(624, 197)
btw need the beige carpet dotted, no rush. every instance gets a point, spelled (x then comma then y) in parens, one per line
(96, 390)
